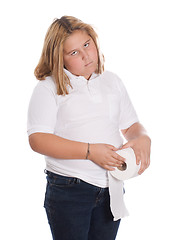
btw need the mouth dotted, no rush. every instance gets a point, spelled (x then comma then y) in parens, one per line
(88, 64)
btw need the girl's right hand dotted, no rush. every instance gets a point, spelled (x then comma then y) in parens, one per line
(105, 156)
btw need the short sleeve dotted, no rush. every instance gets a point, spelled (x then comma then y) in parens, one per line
(42, 110)
(128, 115)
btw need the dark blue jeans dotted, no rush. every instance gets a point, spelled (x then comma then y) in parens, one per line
(77, 210)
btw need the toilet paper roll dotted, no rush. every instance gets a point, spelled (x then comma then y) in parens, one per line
(130, 168)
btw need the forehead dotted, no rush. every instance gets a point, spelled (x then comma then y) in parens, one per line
(76, 40)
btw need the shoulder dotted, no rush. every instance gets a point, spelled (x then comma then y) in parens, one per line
(48, 85)
(110, 76)
(112, 79)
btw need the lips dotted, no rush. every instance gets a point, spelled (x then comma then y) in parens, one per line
(86, 65)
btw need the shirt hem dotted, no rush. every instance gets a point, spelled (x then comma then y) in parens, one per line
(83, 178)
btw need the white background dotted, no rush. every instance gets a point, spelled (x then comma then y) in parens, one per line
(135, 38)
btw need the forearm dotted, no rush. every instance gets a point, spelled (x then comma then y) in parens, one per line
(57, 147)
(135, 131)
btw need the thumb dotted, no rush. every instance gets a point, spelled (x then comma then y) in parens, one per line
(126, 145)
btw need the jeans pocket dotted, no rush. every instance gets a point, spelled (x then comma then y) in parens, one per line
(58, 189)
(61, 181)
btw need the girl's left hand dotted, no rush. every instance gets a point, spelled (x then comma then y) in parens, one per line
(141, 146)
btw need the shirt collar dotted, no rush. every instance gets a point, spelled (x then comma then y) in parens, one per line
(72, 76)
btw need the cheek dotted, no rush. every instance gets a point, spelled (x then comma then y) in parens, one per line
(72, 65)
(94, 54)
(67, 62)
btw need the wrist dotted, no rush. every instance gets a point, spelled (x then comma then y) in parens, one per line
(88, 151)
(92, 150)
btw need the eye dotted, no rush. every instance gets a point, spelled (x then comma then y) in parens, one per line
(86, 45)
(74, 53)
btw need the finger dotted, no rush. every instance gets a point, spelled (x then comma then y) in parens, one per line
(148, 159)
(142, 169)
(113, 147)
(109, 168)
(144, 165)
(126, 145)
(118, 157)
(115, 164)
(138, 159)
(148, 162)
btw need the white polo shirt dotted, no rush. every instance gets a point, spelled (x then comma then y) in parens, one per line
(94, 111)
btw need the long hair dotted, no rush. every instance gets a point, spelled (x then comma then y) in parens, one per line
(51, 62)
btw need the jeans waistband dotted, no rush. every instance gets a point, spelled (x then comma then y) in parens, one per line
(54, 175)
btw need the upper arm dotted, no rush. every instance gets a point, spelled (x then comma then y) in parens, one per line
(128, 115)
(42, 111)
(33, 140)
(123, 131)
(134, 126)
(38, 140)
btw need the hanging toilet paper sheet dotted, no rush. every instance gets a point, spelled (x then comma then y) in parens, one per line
(128, 170)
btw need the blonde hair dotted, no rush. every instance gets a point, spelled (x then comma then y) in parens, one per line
(51, 61)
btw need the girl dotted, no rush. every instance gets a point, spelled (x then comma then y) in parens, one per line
(75, 116)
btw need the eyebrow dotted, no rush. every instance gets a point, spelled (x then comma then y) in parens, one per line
(76, 49)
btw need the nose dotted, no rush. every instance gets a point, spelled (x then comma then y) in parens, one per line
(84, 55)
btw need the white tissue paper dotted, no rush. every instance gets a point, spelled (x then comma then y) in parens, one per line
(129, 170)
